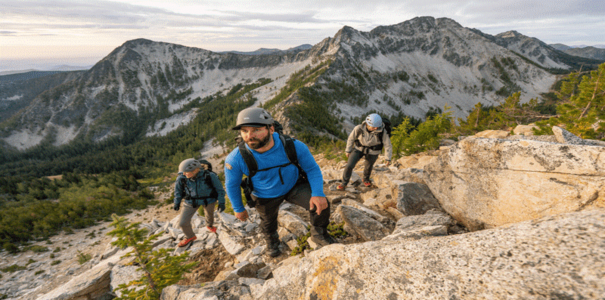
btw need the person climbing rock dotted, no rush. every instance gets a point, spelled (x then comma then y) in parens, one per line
(199, 187)
(367, 140)
(278, 168)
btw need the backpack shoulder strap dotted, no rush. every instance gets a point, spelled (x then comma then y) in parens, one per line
(185, 186)
(288, 143)
(290, 148)
(248, 159)
(208, 179)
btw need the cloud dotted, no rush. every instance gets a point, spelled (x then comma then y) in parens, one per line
(221, 25)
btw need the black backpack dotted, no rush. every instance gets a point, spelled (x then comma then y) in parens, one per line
(206, 165)
(387, 128)
(250, 161)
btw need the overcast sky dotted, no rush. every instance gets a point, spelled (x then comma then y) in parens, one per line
(41, 34)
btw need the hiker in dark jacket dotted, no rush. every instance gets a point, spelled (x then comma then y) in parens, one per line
(277, 179)
(199, 187)
(367, 139)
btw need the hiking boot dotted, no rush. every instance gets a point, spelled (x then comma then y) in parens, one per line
(211, 229)
(186, 242)
(323, 240)
(367, 183)
(272, 245)
(341, 187)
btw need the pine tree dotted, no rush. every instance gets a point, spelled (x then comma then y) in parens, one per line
(425, 137)
(582, 110)
(160, 268)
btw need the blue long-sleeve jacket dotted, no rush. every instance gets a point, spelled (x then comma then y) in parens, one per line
(198, 187)
(267, 184)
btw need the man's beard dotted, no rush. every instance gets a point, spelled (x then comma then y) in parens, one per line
(259, 143)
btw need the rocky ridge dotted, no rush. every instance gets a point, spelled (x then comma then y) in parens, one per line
(408, 237)
(410, 67)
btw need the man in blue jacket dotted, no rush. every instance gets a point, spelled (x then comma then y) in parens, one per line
(277, 179)
(199, 187)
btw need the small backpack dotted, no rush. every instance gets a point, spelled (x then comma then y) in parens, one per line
(387, 127)
(206, 165)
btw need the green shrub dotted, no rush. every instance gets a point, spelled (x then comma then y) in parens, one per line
(10, 247)
(55, 262)
(407, 140)
(12, 269)
(36, 249)
(83, 257)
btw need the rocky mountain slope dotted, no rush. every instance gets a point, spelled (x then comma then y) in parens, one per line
(17, 91)
(540, 53)
(408, 68)
(408, 236)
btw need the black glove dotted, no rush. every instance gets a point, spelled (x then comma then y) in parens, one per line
(221, 207)
(177, 206)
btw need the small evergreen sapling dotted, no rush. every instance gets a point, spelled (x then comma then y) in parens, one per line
(160, 268)
(582, 111)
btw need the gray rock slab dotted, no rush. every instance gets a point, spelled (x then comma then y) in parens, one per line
(415, 199)
(559, 257)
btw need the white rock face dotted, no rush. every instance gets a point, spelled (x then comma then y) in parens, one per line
(485, 183)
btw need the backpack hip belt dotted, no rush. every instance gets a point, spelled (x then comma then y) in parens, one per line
(366, 149)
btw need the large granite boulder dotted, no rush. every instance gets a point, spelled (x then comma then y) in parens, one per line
(484, 183)
(559, 257)
(92, 284)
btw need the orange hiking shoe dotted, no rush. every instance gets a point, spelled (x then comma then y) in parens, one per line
(367, 183)
(341, 187)
(212, 229)
(186, 242)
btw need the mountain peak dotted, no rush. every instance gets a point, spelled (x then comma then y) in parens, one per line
(137, 42)
(510, 34)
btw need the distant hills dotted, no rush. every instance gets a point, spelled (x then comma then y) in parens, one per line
(265, 51)
(592, 52)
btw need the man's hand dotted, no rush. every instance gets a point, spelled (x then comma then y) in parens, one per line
(177, 206)
(319, 203)
(242, 216)
(347, 153)
(221, 207)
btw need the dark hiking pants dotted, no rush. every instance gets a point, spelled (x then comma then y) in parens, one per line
(300, 194)
(354, 157)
